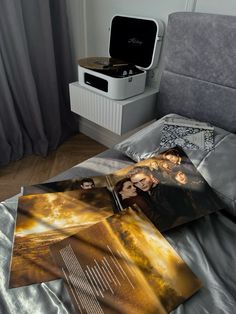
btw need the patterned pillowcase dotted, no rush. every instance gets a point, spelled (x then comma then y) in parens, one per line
(194, 137)
(148, 141)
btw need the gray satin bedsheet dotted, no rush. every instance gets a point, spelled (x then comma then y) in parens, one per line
(207, 246)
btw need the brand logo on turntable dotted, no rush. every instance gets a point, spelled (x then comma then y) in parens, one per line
(135, 41)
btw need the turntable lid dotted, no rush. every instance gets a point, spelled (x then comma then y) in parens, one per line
(136, 40)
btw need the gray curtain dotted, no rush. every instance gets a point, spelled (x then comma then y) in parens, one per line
(36, 67)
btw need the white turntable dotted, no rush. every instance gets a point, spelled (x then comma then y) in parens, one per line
(135, 45)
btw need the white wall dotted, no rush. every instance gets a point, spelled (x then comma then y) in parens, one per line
(77, 24)
(227, 7)
(99, 14)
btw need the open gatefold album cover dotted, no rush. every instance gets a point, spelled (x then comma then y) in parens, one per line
(167, 189)
(123, 265)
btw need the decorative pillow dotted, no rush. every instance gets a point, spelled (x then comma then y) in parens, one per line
(144, 143)
(217, 166)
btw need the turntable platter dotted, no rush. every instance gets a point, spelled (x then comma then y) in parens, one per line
(102, 63)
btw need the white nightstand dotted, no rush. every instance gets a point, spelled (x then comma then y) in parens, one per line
(117, 116)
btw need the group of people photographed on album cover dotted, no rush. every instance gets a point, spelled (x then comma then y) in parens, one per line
(168, 189)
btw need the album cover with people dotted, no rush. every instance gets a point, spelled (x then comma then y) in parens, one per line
(167, 188)
(123, 265)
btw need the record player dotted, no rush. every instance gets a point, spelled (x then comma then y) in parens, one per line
(134, 48)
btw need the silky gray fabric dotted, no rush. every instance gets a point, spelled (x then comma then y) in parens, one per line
(35, 69)
(199, 80)
(206, 245)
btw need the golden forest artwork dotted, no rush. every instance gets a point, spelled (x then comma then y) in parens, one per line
(144, 273)
(44, 219)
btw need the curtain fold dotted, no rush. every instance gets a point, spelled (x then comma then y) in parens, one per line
(35, 69)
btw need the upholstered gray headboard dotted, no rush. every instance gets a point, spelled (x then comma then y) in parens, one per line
(199, 79)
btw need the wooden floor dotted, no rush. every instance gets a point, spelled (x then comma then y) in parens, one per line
(35, 169)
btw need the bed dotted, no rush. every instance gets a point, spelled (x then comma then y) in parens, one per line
(199, 81)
